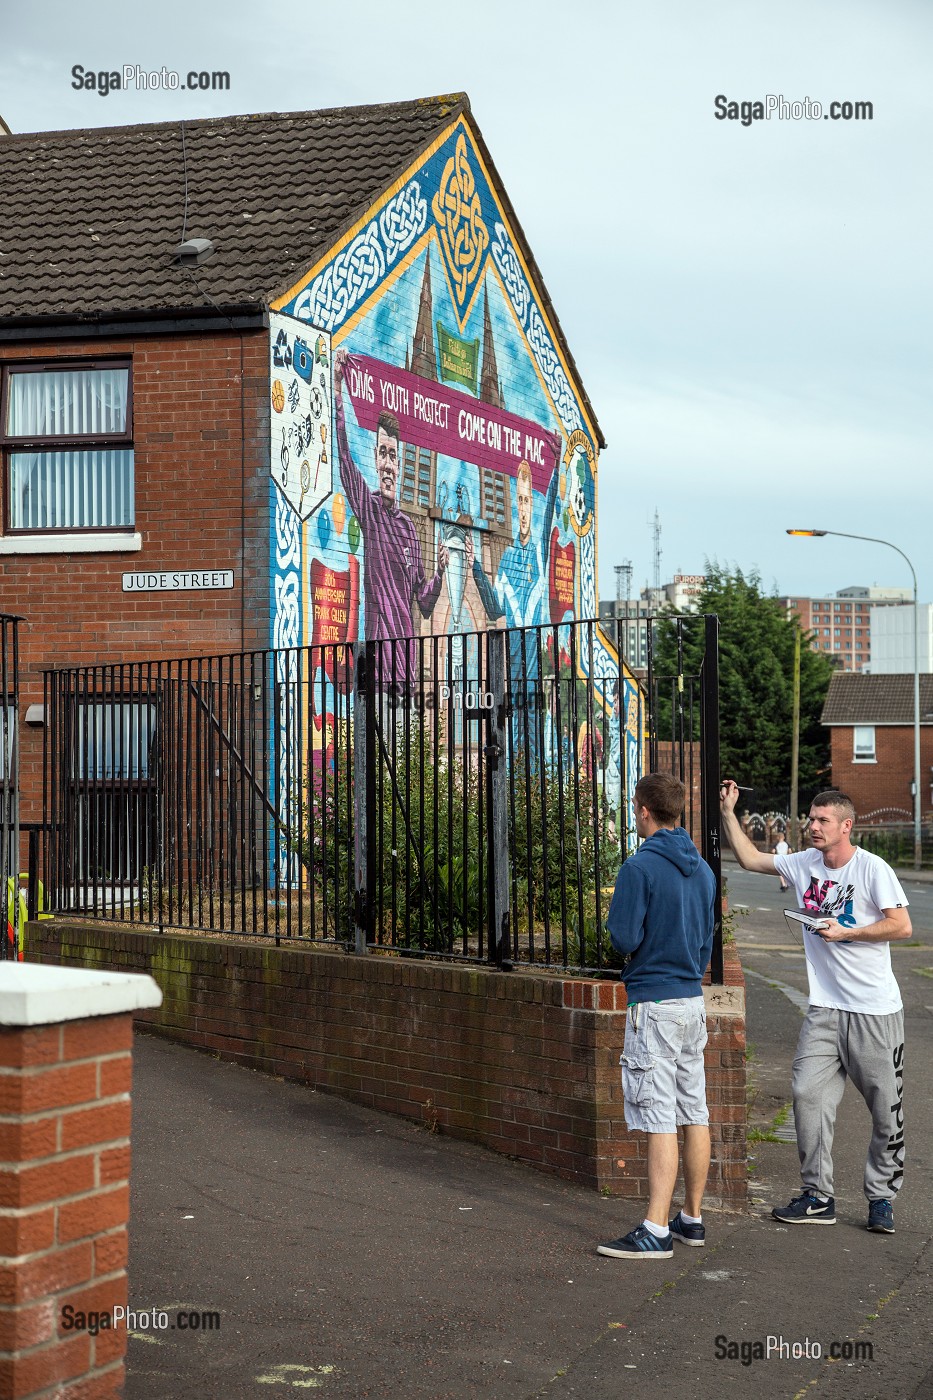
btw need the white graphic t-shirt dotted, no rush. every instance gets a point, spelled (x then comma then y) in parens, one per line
(847, 976)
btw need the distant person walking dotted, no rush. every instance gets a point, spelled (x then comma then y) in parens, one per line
(662, 913)
(854, 1028)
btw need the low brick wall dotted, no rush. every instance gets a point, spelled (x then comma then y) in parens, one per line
(524, 1063)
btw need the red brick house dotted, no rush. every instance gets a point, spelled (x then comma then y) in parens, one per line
(871, 719)
(135, 386)
(165, 489)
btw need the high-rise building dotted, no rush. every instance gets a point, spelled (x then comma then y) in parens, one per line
(624, 619)
(624, 624)
(841, 623)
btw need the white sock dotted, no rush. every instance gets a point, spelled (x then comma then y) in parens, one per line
(660, 1231)
(820, 1196)
(691, 1219)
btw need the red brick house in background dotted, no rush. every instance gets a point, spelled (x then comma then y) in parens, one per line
(871, 720)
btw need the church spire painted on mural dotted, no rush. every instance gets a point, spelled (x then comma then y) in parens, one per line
(490, 390)
(423, 358)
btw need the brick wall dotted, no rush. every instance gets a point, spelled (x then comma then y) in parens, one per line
(886, 783)
(669, 757)
(525, 1064)
(200, 424)
(64, 1204)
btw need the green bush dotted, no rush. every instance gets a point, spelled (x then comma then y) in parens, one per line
(431, 885)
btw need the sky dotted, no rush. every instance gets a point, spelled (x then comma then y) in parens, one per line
(750, 307)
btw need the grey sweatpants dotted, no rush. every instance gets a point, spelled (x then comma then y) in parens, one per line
(869, 1050)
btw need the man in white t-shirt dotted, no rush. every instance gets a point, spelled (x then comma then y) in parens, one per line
(854, 1028)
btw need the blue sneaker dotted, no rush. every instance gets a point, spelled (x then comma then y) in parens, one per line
(881, 1217)
(639, 1244)
(687, 1234)
(807, 1210)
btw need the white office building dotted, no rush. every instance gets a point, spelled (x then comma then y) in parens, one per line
(892, 640)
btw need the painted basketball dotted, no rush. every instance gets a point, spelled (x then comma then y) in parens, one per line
(278, 396)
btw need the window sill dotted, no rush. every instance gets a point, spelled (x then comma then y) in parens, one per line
(864, 760)
(105, 543)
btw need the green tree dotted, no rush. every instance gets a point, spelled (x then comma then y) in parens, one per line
(756, 672)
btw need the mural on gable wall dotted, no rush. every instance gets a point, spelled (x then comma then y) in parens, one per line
(454, 484)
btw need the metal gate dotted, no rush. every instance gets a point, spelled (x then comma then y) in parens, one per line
(461, 796)
(494, 777)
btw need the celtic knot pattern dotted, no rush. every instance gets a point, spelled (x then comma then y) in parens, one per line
(359, 268)
(550, 366)
(343, 284)
(588, 595)
(601, 663)
(286, 635)
(458, 212)
(532, 323)
(286, 620)
(286, 675)
(286, 625)
(402, 220)
(510, 270)
(287, 538)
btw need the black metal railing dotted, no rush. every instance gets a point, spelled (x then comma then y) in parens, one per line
(11, 941)
(894, 841)
(466, 797)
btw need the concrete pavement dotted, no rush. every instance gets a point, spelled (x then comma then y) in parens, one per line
(355, 1255)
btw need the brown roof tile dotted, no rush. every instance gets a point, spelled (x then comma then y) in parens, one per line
(91, 217)
(859, 699)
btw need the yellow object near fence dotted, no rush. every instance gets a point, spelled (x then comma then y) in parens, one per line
(17, 891)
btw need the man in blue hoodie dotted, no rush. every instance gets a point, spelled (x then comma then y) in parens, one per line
(662, 914)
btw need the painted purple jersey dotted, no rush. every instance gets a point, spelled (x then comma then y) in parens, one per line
(394, 573)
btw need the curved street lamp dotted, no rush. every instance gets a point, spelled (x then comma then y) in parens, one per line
(872, 539)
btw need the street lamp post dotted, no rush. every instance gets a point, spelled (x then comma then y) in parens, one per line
(871, 539)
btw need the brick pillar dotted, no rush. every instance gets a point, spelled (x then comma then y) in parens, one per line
(65, 1065)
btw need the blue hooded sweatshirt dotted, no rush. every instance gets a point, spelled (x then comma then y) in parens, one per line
(662, 913)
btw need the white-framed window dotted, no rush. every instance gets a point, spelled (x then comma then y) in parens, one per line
(66, 433)
(863, 743)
